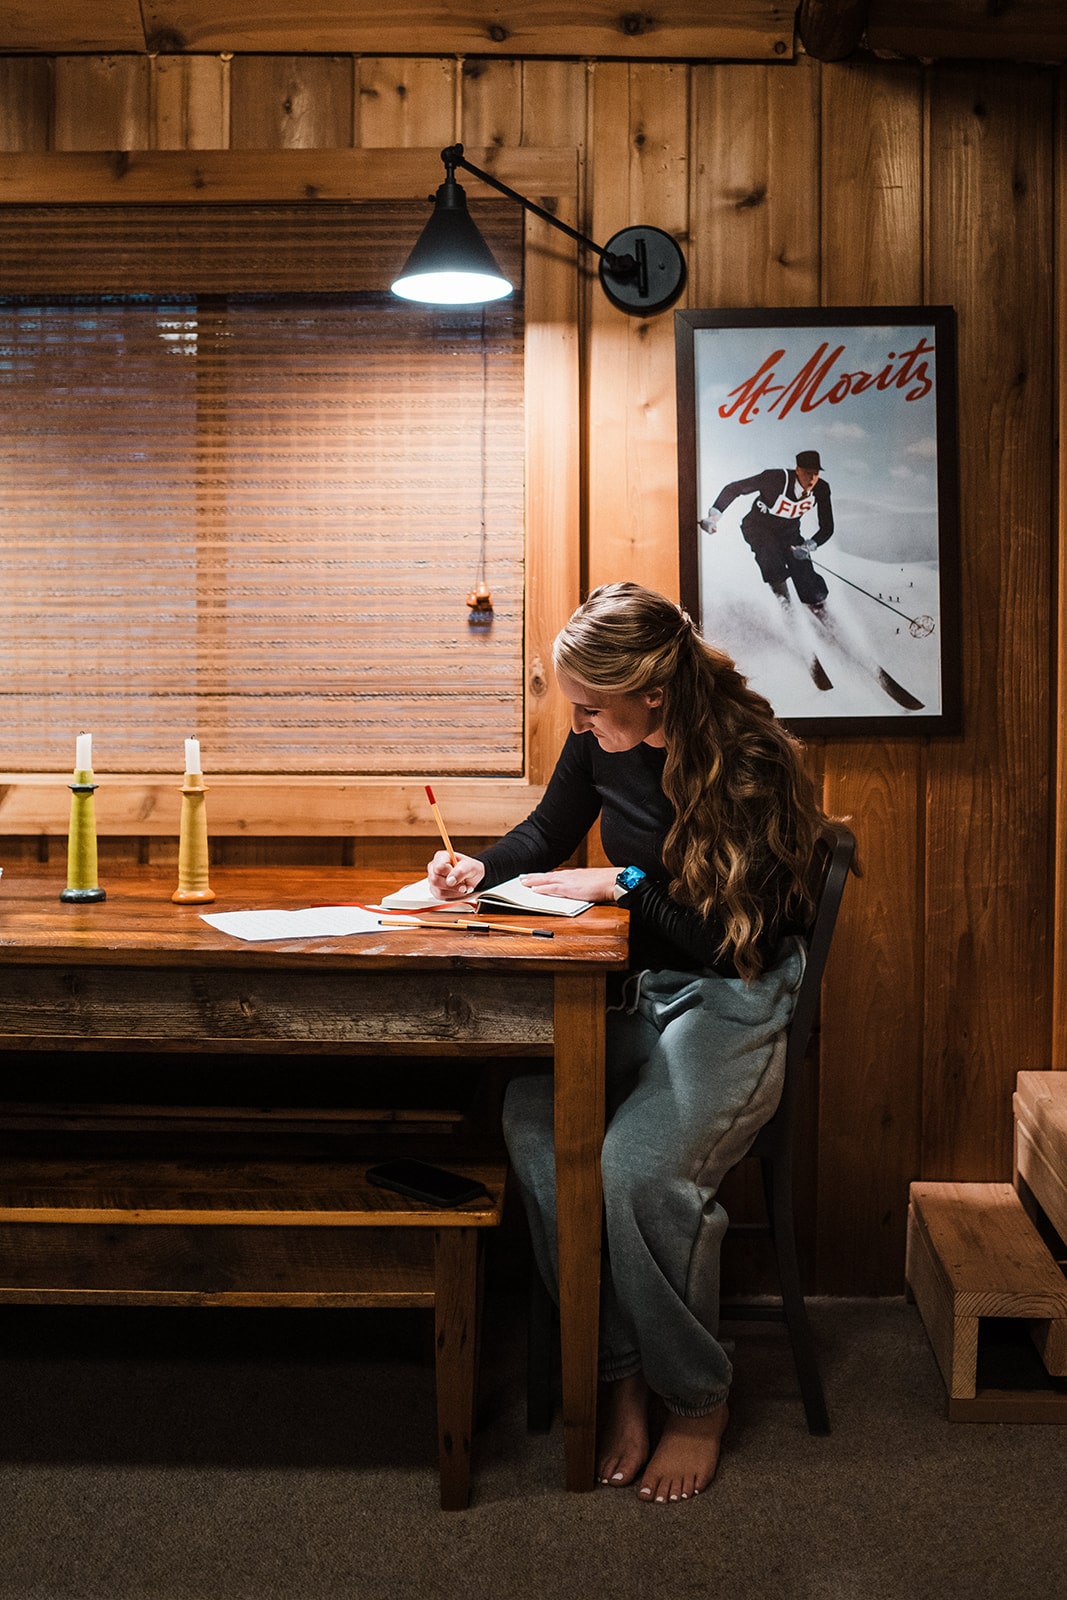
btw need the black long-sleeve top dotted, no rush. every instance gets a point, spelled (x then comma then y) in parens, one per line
(625, 789)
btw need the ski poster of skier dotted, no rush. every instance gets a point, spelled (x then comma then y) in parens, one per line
(818, 504)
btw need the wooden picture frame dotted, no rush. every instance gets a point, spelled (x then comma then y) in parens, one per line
(819, 509)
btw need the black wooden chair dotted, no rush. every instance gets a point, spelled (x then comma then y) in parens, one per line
(773, 1148)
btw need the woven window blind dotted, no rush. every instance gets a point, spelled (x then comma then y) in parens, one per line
(254, 516)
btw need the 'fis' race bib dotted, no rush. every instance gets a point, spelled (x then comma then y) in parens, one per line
(784, 507)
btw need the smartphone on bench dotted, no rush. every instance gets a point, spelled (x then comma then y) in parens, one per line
(433, 1185)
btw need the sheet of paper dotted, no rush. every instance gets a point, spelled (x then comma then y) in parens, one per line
(313, 922)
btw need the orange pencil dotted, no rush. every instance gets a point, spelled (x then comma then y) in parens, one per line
(441, 824)
(470, 925)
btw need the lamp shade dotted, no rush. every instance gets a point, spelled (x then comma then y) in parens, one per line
(451, 263)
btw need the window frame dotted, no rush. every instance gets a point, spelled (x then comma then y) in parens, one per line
(258, 805)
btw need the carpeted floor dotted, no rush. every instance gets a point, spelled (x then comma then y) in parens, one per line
(290, 1456)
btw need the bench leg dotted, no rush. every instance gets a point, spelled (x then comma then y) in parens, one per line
(456, 1308)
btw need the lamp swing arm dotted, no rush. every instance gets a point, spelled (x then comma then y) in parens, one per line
(453, 157)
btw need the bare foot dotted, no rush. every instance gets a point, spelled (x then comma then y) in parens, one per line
(686, 1457)
(623, 1448)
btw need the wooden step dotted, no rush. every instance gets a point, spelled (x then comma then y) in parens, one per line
(1040, 1106)
(974, 1253)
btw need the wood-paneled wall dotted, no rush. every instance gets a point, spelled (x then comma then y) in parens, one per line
(794, 184)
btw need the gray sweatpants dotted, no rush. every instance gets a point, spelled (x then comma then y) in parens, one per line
(694, 1070)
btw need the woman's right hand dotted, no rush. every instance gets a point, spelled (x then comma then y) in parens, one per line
(452, 881)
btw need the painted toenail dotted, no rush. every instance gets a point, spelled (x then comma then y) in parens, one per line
(616, 1477)
(646, 1492)
(659, 1499)
(674, 1497)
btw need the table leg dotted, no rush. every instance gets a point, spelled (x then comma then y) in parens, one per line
(579, 1125)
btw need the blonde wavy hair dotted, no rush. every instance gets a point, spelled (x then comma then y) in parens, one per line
(745, 814)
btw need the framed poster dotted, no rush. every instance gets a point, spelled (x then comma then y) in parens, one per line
(818, 504)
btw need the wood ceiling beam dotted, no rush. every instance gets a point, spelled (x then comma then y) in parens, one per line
(739, 30)
(731, 30)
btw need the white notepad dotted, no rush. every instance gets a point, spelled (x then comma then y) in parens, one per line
(420, 897)
(510, 896)
(515, 896)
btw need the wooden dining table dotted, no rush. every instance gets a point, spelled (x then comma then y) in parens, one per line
(139, 973)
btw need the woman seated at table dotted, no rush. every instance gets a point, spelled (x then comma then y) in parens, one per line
(704, 805)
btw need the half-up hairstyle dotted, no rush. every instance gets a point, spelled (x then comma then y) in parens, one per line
(745, 814)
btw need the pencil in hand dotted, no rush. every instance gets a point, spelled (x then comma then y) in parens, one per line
(441, 825)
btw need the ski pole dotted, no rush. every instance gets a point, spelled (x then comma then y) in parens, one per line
(919, 627)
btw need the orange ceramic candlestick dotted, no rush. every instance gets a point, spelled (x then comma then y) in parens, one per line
(193, 887)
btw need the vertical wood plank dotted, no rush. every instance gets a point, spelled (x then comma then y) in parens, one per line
(25, 102)
(639, 175)
(190, 101)
(553, 416)
(406, 103)
(553, 477)
(491, 103)
(101, 103)
(554, 104)
(872, 1011)
(291, 102)
(754, 184)
(1059, 948)
(988, 1005)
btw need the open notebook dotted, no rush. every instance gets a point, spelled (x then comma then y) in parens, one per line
(510, 896)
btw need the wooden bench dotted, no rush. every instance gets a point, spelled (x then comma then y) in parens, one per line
(232, 1221)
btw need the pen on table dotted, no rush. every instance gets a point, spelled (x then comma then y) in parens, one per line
(441, 825)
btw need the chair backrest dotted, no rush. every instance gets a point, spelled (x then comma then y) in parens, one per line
(834, 852)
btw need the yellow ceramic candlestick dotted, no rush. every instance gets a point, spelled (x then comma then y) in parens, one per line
(193, 888)
(81, 841)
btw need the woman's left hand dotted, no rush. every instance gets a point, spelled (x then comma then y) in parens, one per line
(575, 883)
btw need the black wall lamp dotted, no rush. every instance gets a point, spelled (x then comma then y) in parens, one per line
(641, 270)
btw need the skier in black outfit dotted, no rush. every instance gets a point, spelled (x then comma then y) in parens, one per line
(771, 528)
